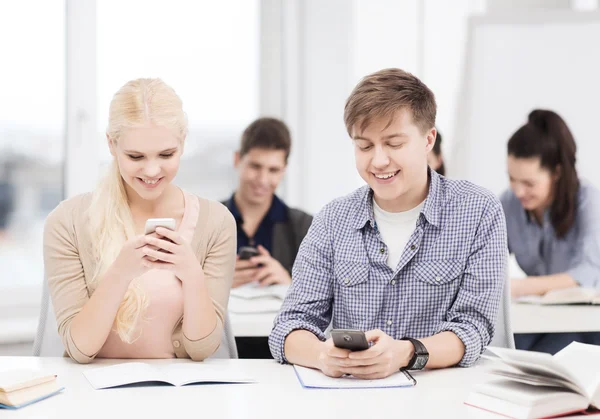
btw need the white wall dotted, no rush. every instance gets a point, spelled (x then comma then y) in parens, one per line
(386, 33)
(512, 69)
(318, 68)
(444, 49)
(333, 45)
(328, 46)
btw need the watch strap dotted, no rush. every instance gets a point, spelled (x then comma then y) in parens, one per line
(419, 347)
(420, 351)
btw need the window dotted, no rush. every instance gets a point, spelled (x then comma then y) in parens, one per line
(32, 119)
(209, 53)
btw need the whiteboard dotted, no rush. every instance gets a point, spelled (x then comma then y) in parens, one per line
(515, 64)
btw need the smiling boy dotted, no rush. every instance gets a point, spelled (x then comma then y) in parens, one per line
(415, 260)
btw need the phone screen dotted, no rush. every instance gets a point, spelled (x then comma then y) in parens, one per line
(246, 252)
(153, 223)
(354, 340)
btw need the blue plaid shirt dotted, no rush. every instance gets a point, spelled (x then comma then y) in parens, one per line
(449, 278)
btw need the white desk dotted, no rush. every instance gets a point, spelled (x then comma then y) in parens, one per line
(526, 318)
(252, 325)
(531, 318)
(253, 317)
(277, 394)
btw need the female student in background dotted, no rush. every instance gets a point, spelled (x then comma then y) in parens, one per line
(116, 292)
(553, 220)
(435, 159)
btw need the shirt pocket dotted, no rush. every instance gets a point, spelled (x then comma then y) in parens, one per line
(352, 295)
(436, 284)
(438, 272)
(350, 274)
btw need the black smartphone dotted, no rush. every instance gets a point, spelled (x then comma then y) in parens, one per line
(354, 340)
(246, 252)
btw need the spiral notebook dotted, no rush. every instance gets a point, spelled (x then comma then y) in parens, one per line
(310, 378)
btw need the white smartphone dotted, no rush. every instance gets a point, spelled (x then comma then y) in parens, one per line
(152, 223)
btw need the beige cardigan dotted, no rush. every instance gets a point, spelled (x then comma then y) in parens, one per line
(69, 266)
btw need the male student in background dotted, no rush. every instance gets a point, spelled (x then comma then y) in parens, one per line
(264, 222)
(415, 260)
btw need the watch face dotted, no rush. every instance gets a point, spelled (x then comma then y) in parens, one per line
(421, 362)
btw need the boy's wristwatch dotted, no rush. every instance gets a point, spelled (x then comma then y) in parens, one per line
(419, 358)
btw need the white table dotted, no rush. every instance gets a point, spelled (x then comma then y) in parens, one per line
(526, 318)
(277, 394)
(252, 325)
(532, 318)
(253, 317)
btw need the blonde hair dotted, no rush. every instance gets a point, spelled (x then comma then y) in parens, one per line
(138, 103)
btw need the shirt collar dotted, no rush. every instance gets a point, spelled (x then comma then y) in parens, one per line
(530, 219)
(278, 211)
(431, 208)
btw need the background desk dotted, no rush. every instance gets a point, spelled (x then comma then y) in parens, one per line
(278, 394)
(252, 325)
(531, 318)
(526, 318)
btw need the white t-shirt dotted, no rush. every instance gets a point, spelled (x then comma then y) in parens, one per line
(395, 229)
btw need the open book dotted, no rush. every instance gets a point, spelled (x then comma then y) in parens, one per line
(311, 378)
(19, 388)
(178, 374)
(575, 295)
(539, 385)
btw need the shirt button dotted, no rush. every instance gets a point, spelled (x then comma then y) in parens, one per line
(413, 247)
(389, 322)
(393, 282)
(346, 280)
(176, 343)
(382, 250)
(438, 278)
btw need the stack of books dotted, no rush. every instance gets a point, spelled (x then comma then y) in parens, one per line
(533, 385)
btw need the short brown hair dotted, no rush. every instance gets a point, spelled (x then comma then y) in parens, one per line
(385, 92)
(266, 133)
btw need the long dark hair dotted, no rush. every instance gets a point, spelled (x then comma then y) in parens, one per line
(547, 136)
(7, 203)
(437, 150)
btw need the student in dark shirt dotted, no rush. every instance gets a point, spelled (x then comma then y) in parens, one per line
(264, 221)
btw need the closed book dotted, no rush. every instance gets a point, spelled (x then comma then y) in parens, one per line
(19, 388)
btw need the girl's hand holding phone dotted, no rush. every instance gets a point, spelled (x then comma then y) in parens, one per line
(171, 252)
(130, 262)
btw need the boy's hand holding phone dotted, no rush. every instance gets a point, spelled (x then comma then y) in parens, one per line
(331, 359)
(262, 268)
(384, 357)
